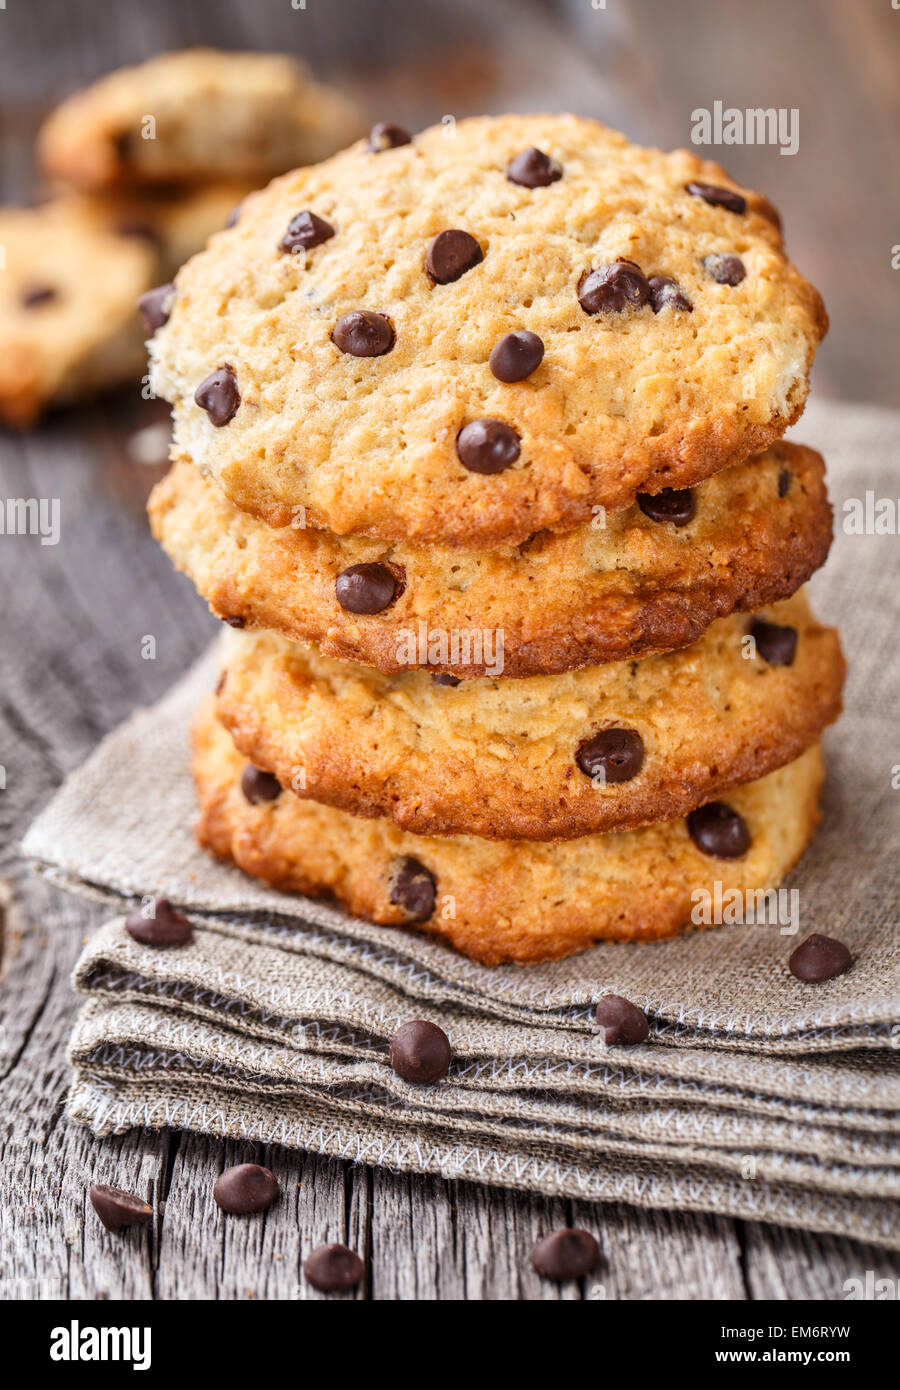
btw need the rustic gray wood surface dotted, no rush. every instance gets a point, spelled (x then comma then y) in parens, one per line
(72, 619)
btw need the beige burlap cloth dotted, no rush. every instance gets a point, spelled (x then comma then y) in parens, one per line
(755, 1096)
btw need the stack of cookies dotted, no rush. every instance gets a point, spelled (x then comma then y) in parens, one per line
(142, 166)
(478, 452)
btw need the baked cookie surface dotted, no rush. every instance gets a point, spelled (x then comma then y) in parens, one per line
(75, 269)
(68, 321)
(629, 588)
(500, 901)
(201, 114)
(599, 749)
(352, 361)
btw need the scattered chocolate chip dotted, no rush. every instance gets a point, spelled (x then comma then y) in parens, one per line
(533, 169)
(420, 1052)
(35, 295)
(363, 333)
(155, 307)
(118, 1209)
(441, 678)
(387, 136)
(368, 588)
(666, 294)
(616, 753)
(718, 830)
(414, 888)
(613, 288)
(258, 785)
(487, 446)
(219, 396)
(159, 924)
(245, 1188)
(451, 254)
(236, 621)
(674, 504)
(333, 1268)
(819, 958)
(565, 1254)
(784, 482)
(516, 355)
(620, 1021)
(718, 197)
(775, 644)
(724, 269)
(304, 231)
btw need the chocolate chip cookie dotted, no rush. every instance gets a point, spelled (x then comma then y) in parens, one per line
(68, 324)
(76, 268)
(602, 748)
(507, 901)
(475, 335)
(645, 580)
(196, 116)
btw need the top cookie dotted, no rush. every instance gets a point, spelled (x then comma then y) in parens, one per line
(344, 348)
(201, 114)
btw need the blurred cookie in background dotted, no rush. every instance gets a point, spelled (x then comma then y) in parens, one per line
(75, 268)
(196, 116)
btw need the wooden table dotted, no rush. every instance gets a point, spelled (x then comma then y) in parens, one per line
(72, 619)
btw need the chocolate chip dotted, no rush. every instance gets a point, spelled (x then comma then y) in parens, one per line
(258, 785)
(219, 396)
(612, 288)
(366, 588)
(673, 504)
(819, 958)
(155, 307)
(118, 1209)
(666, 294)
(158, 924)
(387, 136)
(304, 231)
(414, 888)
(245, 1188)
(784, 482)
(35, 295)
(718, 197)
(441, 678)
(451, 254)
(533, 169)
(724, 269)
(775, 644)
(363, 333)
(487, 446)
(333, 1268)
(617, 754)
(236, 621)
(620, 1021)
(420, 1052)
(718, 830)
(516, 355)
(565, 1254)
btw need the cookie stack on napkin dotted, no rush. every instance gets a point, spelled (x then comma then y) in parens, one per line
(477, 451)
(143, 166)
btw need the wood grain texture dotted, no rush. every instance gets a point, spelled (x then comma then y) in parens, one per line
(72, 619)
